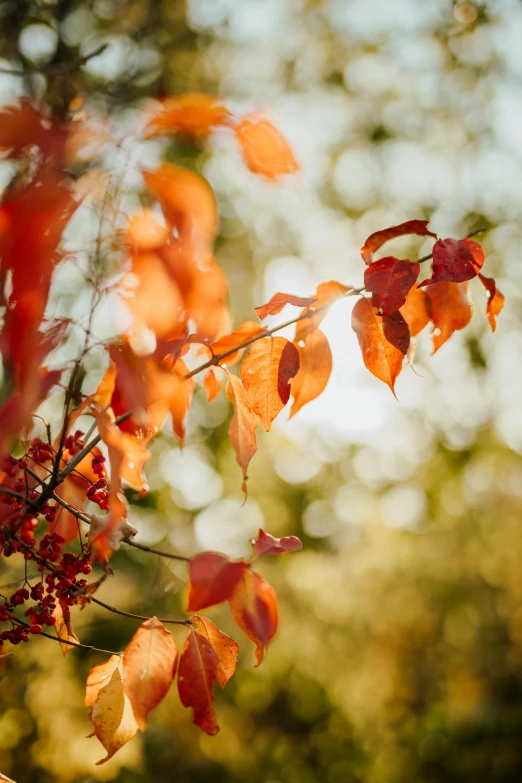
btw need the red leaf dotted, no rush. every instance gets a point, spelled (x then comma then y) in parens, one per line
(266, 372)
(254, 608)
(455, 260)
(198, 670)
(225, 648)
(389, 281)
(415, 310)
(449, 308)
(242, 430)
(382, 356)
(314, 371)
(278, 301)
(213, 579)
(376, 240)
(495, 301)
(265, 149)
(265, 544)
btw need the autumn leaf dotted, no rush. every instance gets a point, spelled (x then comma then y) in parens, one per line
(153, 297)
(495, 301)
(212, 385)
(63, 627)
(265, 544)
(377, 240)
(415, 310)
(266, 373)
(325, 295)
(112, 716)
(389, 281)
(254, 609)
(98, 677)
(449, 308)
(144, 231)
(314, 370)
(127, 454)
(198, 668)
(149, 666)
(382, 357)
(243, 425)
(264, 148)
(225, 648)
(279, 301)
(191, 114)
(213, 578)
(455, 260)
(246, 331)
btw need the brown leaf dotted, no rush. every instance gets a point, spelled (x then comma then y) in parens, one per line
(266, 372)
(449, 308)
(495, 301)
(254, 609)
(314, 370)
(112, 716)
(63, 627)
(265, 149)
(198, 667)
(213, 578)
(225, 648)
(243, 425)
(381, 357)
(389, 281)
(149, 666)
(279, 301)
(377, 240)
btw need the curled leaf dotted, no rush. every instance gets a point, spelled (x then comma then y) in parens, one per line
(279, 301)
(112, 716)
(63, 627)
(265, 544)
(254, 609)
(495, 301)
(212, 384)
(243, 425)
(377, 240)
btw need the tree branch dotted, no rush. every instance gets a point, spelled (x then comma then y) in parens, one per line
(68, 641)
(47, 70)
(136, 616)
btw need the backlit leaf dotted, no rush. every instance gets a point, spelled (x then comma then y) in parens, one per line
(382, 357)
(112, 716)
(225, 648)
(244, 332)
(325, 295)
(63, 627)
(266, 372)
(213, 578)
(377, 240)
(495, 301)
(198, 668)
(254, 609)
(265, 544)
(278, 301)
(389, 281)
(455, 260)
(98, 677)
(314, 370)
(265, 149)
(191, 114)
(449, 308)
(243, 425)
(415, 310)
(212, 384)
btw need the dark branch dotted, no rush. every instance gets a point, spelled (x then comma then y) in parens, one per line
(47, 70)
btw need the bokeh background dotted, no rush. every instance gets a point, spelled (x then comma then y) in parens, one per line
(400, 651)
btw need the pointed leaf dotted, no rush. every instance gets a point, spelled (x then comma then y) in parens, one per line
(198, 667)
(212, 578)
(449, 308)
(314, 370)
(265, 544)
(243, 425)
(254, 609)
(149, 666)
(244, 332)
(376, 240)
(279, 301)
(495, 301)
(212, 385)
(389, 281)
(455, 260)
(112, 716)
(63, 627)
(225, 648)
(266, 372)
(380, 356)
(265, 150)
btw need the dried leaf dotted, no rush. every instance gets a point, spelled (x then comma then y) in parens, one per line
(377, 240)
(449, 308)
(266, 373)
(190, 114)
(213, 578)
(243, 425)
(198, 667)
(455, 260)
(244, 332)
(225, 648)
(314, 370)
(495, 301)
(149, 666)
(112, 716)
(381, 357)
(389, 281)
(254, 609)
(98, 677)
(279, 301)
(265, 150)
(63, 627)
(265, 544)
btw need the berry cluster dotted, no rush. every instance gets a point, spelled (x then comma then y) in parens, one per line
(74, 443)
(98, 494)
(40, 451)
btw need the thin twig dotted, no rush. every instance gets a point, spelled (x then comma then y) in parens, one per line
(47, 70)
(80, 646)
(145, 548)
(86, 450)
(136, 616)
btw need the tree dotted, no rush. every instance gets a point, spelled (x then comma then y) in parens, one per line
(162, 265)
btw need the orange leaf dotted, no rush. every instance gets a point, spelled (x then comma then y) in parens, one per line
(144, 232)
(127, 454)
(112, 716)
(98, 677)
(265, 150)
(212, 385)
(152, 296)
(314, 371)
(198, 667)
(254, 608)
(149, 666)
(495, 301)
(266, 373)
(415, 310)
(265, 544)
(213, 578)
(325, 295)
(382, 357)
(243, 425)
(191, 114)
(63, 627)
(244, 332)
(279, 301)
(455, 260)
(376, 240)
(389, 281)
(449, 308)
(225, 648)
